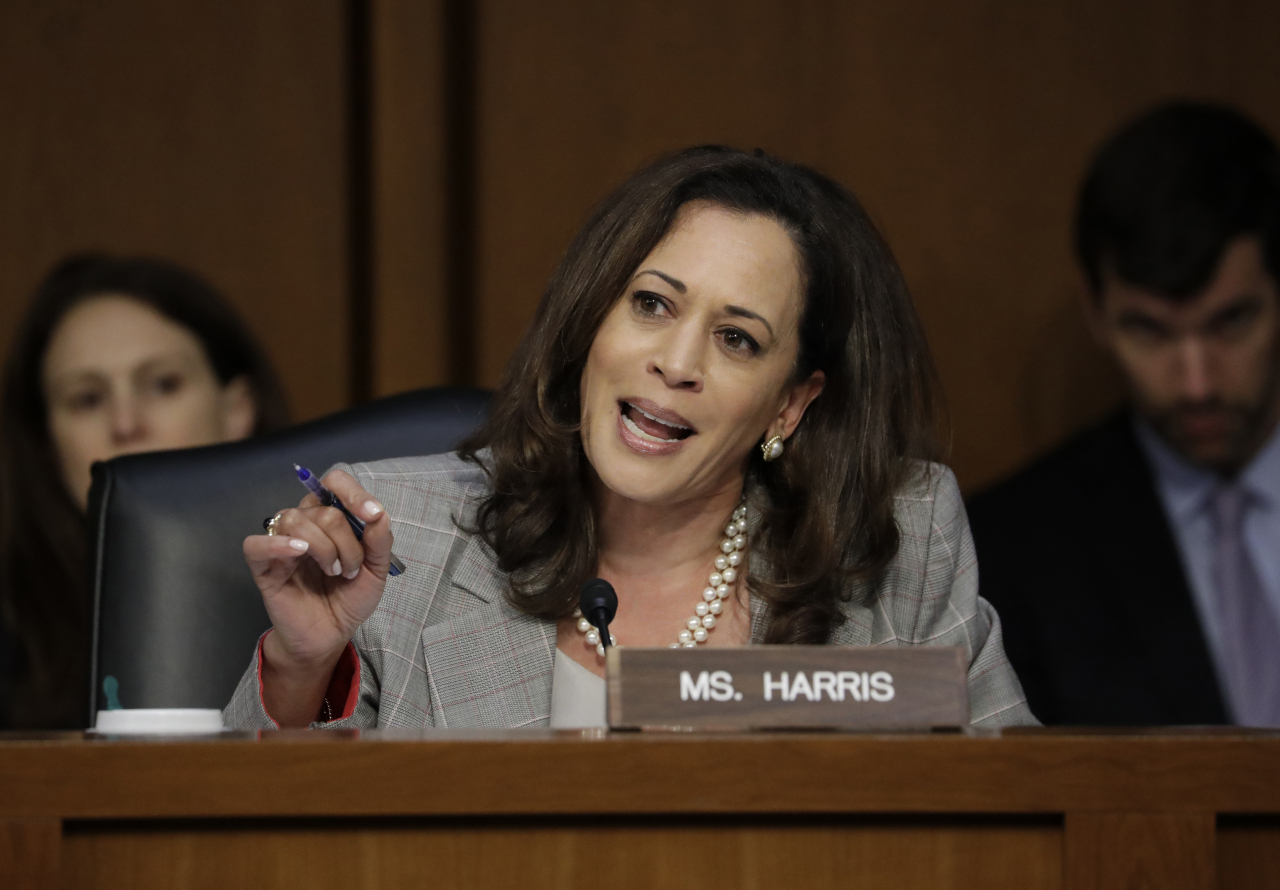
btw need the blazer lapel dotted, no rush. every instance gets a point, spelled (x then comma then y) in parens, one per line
(491, 666)
(474, 569)
(1132, 541)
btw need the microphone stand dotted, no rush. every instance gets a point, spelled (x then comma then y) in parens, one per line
(599, 603)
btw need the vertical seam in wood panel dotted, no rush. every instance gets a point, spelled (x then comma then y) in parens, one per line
(460, 64)
(360, 271)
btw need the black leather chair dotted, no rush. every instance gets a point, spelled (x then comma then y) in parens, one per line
(176, 613)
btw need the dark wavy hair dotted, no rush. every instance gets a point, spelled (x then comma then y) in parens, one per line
(828, 524)
(44, 597)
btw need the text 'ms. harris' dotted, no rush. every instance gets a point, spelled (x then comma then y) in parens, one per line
(836, 686)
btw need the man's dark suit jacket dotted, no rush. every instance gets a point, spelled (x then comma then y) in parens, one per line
(1079, 560)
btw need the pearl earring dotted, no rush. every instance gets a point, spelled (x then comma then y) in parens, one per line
(772, 449)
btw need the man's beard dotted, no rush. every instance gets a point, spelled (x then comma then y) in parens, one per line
(1224, 451)
(1244, 426)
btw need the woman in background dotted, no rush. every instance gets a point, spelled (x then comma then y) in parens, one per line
(114, 356)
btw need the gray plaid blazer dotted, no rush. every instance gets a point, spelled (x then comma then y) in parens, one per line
(445, 649)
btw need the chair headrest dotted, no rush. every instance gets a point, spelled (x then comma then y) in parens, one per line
(176, 613)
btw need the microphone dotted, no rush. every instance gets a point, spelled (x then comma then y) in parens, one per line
(599, 603)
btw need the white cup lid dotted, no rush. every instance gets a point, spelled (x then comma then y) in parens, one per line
(157, 721)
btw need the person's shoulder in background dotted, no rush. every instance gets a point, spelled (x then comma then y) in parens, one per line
(1048, 516)
(1031, 534)
(1077, 557)
(1068, 478)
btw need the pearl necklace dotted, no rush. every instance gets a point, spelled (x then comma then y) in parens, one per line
(719, 585)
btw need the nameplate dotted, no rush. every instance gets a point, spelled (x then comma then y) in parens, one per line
(865, 687)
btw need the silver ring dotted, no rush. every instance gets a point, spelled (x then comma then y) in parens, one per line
(271, 523)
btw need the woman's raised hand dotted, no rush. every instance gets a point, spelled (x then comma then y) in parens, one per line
(319, 584)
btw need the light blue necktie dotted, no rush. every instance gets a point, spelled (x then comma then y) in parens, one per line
(1250, 630)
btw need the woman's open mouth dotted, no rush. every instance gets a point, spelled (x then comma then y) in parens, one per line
(650, 429)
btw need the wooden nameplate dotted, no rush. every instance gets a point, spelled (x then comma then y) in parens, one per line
(918, 687)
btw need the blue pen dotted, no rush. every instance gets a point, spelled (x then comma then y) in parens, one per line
(329, 499)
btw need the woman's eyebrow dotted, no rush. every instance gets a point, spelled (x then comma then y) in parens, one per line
(731, 310)
(151, 361)
(76, 375)
(674, 282)
(747, 313)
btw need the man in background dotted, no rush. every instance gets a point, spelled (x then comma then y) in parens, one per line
(1137, 568)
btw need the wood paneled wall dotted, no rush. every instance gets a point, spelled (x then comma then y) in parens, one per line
(963, 127)
(213, 134)
(221, 135)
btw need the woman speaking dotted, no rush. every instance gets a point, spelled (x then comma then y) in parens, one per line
(724, 407)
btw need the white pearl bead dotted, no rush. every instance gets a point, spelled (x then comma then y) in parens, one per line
(694, 623)
(716, 579)
(722, 591)
(709, 594)
(685, 636)
(708, 621)
(740, 541)
(726, 545)
(701, 609)
(716, 608)
(583, 625)
(729, 576)
(689, 645)
(577, 613)
(700, 635)
(674, 646)
(600, 650)
(731, 529)
(735, 559)
(739, 512)
(593, 637)
(722, 562)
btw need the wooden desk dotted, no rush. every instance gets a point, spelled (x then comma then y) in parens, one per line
(1032, 809)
